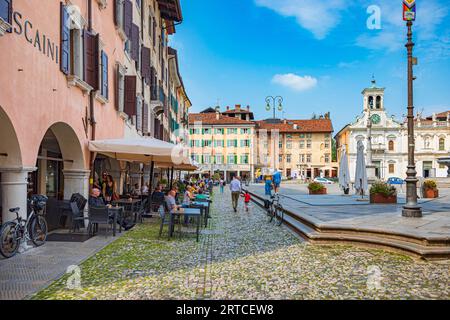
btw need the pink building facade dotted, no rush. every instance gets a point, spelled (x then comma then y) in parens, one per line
(73, 71)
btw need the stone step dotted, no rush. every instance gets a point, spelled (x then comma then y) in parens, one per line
(429, 249)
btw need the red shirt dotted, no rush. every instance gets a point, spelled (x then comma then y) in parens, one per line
(247, 197)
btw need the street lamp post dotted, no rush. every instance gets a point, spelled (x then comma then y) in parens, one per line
(274, 100)
(411, 209)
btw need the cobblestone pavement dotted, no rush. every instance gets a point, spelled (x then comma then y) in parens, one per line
(241, 256)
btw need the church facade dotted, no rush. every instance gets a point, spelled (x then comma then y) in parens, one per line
(389, 139)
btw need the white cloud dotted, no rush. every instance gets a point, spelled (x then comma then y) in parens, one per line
(295, 82)
(317, 16)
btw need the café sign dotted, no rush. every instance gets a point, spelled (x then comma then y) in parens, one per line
(39, 40)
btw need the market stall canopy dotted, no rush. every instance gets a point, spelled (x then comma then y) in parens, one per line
(142, 150)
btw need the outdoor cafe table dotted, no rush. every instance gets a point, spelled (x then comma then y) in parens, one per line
(127, 203)
(187, 212)
(117, 213)
(205, 207)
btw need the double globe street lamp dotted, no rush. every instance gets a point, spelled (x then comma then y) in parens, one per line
(274, 101)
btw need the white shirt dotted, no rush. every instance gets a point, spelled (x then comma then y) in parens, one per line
(235, 185)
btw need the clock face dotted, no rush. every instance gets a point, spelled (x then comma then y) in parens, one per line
(375, 119)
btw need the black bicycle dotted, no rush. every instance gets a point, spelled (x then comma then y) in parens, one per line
(275, 209)
(19, 230)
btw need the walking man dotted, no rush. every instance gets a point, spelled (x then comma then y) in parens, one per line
(235, 187)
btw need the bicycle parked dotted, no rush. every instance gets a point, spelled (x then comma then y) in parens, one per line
(275, 209)
(19, 230)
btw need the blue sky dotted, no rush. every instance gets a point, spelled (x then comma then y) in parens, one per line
(318, 54)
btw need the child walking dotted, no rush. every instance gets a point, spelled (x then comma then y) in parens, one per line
(246, 200)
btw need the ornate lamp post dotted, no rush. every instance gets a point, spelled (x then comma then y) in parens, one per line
(274, 100)
(411, 209)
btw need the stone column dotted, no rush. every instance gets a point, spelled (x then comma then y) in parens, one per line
(14, 191)
(76, 181)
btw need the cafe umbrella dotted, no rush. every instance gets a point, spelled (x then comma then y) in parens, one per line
(361, 182)
(344, 173)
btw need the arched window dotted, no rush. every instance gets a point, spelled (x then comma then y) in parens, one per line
(378, 103)
(391, 145)
(442, 144)
(371, 102)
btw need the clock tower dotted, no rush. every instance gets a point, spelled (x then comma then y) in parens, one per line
(374, 102)
(374, 110)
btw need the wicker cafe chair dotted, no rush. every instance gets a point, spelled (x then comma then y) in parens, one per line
(77, 217)
(99, 215)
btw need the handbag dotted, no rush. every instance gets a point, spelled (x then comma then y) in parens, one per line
(115, 196)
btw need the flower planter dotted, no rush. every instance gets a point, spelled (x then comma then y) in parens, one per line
(323, 191)
(380, 198)
(430, 193)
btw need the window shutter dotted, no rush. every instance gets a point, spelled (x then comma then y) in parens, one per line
(127, 17)
(65, 40)
(146, 65)
(134, 42)
(91, 63)
(145, 119)
(6, 12)
(139, 114)
(130, 95)
(105, 83)
(116, 88)
(116, 7)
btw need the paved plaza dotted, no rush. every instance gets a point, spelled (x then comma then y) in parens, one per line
(241, 256)
(338, 210)
(26, 273)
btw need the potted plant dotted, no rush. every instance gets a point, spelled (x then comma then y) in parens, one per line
(381, 192)
(163, 183)
(317, 188)
(429, 189)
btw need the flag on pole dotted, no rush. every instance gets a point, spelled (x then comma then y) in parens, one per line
(409, 10)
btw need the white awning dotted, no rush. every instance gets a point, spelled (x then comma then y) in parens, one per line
(142, 150)
(192, 166)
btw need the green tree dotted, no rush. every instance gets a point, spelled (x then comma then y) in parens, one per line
(333, 150)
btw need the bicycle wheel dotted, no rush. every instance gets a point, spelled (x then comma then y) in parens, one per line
(279, 213)
(9, 239)
(38, 230)
(270, 213)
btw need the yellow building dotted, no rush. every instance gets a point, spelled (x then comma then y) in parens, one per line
(298, 148)
(223, 143)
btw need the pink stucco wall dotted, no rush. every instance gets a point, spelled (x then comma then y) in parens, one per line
(39, 96)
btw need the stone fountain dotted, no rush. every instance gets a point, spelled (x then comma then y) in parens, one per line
(445, 161)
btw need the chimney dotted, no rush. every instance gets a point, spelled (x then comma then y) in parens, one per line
(228, 108)
(248, 108)
(238, 107)
(295, 126)
(217, 114)
(284, 121)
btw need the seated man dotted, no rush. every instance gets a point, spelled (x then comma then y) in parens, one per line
(170, 200)
(95, 200)
(157, 195)
(136, 190)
